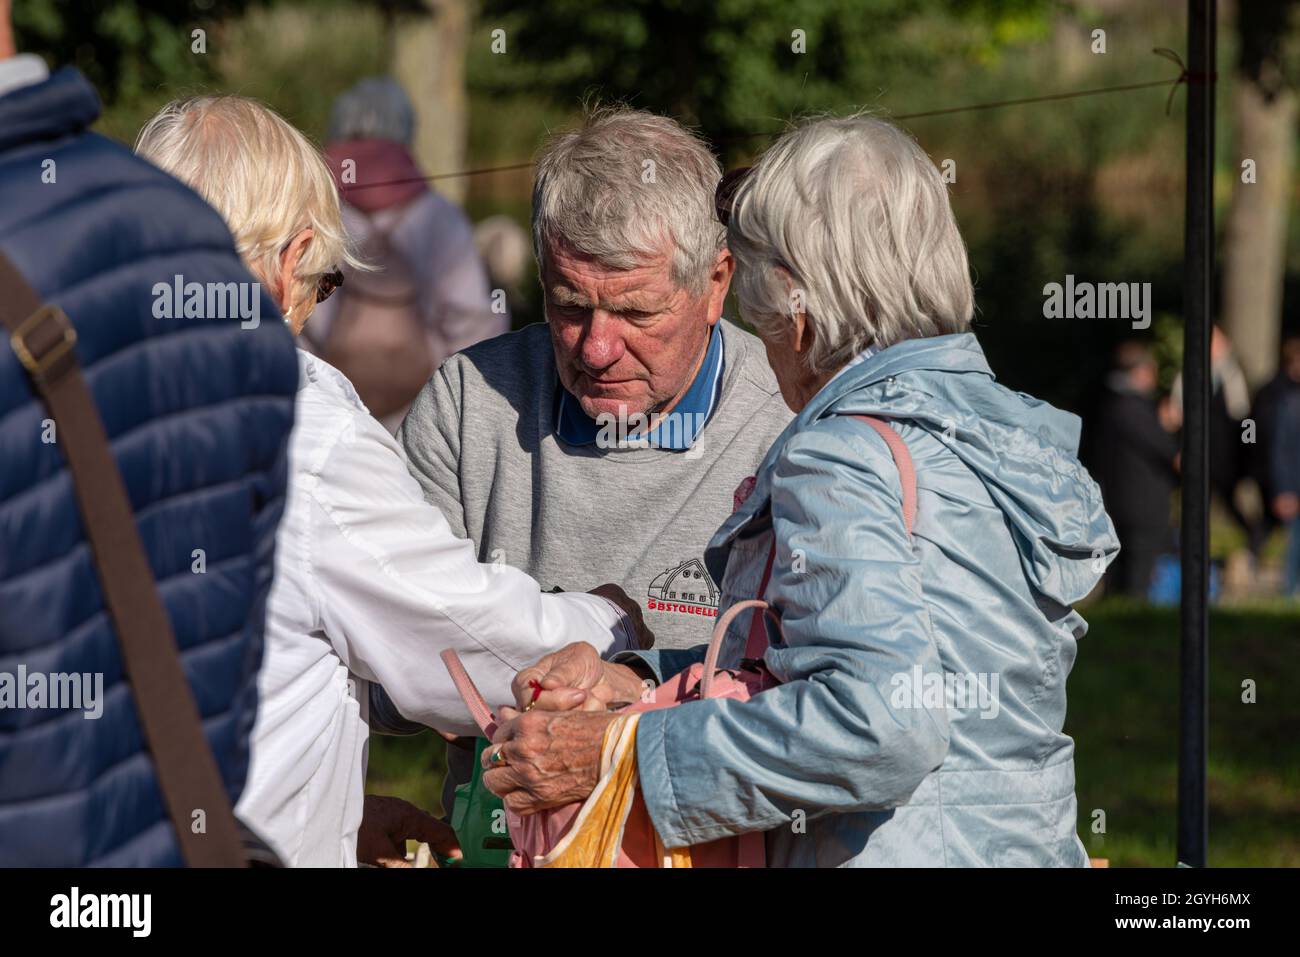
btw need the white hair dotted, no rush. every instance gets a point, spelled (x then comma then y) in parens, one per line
(857, 215)
(623, 186)
(375, 108)
(263, 176)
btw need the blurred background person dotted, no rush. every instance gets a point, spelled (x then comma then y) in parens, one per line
(1286, 486)
(1135, 462)
(428, 284)
(507, 252)
(1229, 461)
(1269, 401)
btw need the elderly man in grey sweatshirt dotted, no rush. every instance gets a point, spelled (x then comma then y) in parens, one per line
(606, 445)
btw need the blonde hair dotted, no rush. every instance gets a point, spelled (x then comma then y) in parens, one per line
(857, 216)
(262, 175)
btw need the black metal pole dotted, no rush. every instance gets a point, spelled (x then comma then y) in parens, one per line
(1198, 281)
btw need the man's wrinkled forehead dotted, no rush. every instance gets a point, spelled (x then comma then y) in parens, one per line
(576, 279)
(634, 300)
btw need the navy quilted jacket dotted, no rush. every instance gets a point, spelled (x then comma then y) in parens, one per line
(198, 412)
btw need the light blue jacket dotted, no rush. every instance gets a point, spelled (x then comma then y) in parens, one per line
(871, 752)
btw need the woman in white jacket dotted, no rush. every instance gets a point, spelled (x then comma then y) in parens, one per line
(370, 583)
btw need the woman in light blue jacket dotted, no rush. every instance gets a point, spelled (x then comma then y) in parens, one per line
(919, 719)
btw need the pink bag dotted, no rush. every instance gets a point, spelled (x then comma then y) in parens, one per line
(536, 835)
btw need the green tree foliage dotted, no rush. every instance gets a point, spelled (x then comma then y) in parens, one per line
(734, 67)
(296, 55)
(124, 47)
(1088, 186)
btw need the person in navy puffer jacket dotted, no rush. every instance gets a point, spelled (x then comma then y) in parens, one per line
(198, 412)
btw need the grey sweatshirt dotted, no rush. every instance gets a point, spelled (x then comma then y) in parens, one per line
(481, 440)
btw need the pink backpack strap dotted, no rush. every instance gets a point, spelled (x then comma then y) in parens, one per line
(902, 461)
(720, 632)
(478, 707)
(756, 643)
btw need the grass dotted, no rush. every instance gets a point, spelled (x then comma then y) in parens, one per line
(1123, 715)
(408, 767)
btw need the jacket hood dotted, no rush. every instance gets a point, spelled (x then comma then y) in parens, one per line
(1022, 449)
(391, 176)
(62, 105)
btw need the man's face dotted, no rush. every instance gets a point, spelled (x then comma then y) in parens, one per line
(627, 341)
(1145, 377)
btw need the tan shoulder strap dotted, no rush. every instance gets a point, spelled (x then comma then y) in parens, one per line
(43, 339)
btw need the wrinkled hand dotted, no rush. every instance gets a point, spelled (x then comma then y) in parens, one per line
(387, 823)
(575, 677)
(551, 758)
(645, 637)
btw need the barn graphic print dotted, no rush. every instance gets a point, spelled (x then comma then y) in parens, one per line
(685, 589)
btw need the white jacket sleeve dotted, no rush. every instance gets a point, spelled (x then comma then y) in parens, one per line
(394, 587)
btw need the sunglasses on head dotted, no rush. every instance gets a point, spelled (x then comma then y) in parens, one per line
(724, 197)
(327, 284)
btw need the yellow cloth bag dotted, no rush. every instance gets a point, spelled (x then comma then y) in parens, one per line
(614, 814)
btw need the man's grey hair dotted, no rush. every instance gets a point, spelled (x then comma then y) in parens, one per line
(624, 184)
(856, 215)
(375, 108)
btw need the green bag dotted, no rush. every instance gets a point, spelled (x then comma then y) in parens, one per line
(479, 819)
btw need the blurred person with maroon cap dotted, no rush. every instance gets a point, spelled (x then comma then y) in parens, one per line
(429, 282)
